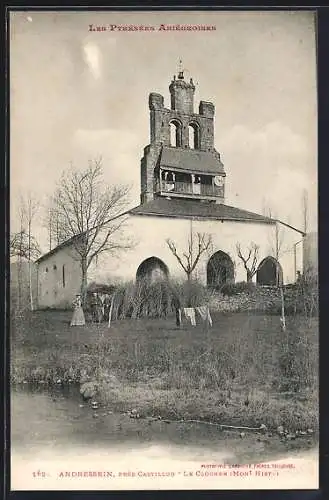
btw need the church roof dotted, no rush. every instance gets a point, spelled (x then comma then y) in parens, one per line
(179, 208)
(190, 160)
(190, 208)
(64, 244)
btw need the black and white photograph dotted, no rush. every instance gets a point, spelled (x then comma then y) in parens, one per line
(164, 329)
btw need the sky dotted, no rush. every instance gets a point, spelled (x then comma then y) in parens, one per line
(77, 94)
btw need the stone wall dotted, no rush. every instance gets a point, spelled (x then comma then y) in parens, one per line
(160, 118)
(267, 300)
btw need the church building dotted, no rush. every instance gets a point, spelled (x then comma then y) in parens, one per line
(182, 195)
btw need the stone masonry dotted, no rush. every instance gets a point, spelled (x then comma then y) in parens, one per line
(182, 115)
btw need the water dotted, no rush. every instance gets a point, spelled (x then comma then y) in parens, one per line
(56, 439)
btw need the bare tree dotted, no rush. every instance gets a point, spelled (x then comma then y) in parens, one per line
(19, 251)
(51, 224)
(197, 245)
(91, 213)
(31, 207)
(277, 248)
(276, 241)
(23, 244)
(249, 260)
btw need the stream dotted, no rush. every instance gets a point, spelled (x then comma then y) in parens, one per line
(59, 442)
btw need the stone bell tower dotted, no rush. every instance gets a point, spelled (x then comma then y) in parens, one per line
(181, 160)
(182, 94)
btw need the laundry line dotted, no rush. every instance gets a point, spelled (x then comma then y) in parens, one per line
(203, 312)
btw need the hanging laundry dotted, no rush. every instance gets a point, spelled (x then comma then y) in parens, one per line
(190, 314)
(205, 314)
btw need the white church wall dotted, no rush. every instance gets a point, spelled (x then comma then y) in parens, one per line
(151, 233)
(56, 289)
(290, 251)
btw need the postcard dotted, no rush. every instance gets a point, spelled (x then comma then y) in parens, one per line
(163, 248)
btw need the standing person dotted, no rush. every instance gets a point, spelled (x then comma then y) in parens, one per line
(78, 318)
(176, 304)
(93, 306)
(107, 305)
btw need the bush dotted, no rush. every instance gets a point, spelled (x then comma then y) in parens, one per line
(230, 289)
(156, 299)
(299, 298)
(191, 293)
(297, 359)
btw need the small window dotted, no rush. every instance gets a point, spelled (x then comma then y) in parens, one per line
(55, 267)
(46, 269)
(63, 275)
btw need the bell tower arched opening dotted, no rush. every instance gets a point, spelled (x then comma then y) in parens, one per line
(175, 133)
(193, 136)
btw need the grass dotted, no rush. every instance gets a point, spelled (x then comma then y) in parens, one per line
(242, 371)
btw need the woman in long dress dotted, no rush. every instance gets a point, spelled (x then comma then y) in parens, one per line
(78, 318)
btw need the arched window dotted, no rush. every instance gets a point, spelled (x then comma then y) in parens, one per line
(152, 269)
(269, 272)
(193, 136)
(220, 269)
(175, 134)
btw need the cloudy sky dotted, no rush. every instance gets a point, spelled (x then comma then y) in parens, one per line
(76, 94)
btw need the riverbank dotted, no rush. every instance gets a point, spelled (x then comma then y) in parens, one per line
(77, 447)
(243, 371)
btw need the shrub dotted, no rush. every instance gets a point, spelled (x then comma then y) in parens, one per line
(155, 299)
(296, 362)
(299, 298)
(140, 299)
(191, 293)
(230, 289)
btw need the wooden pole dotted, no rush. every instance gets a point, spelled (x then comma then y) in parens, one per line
(110, 312)
(277, 253)
(283, 316)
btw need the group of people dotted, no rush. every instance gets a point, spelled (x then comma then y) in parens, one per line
(98, 305)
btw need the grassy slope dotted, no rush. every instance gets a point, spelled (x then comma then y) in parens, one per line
(240, 371)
